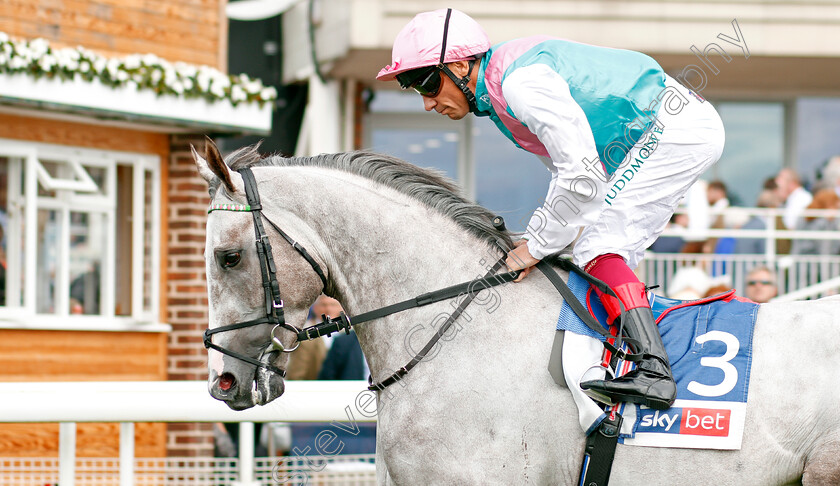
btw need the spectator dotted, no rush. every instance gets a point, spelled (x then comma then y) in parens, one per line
(793, 195)
(824, 199)
(767, 198)
(761, 285)
(671, 244)
(717, 196)
(345, 360)
(306, 361)
(829, 175)
(732, 218)
(718, 202)
(85, 292)
(689, 283)
(226, 439)
(223, 445)
(717, 289)
(699, 220)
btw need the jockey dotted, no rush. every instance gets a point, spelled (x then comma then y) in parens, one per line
(622, 139)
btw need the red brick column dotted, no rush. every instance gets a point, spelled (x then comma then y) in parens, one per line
(186, 291)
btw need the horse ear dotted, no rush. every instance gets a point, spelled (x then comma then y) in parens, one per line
(203, 168)
(217, 164)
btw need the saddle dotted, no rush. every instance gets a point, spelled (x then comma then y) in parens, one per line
(710, 409)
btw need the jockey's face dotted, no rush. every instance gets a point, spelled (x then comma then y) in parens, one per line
(451, 101)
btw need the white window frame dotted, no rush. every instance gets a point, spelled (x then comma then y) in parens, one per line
(143, 165)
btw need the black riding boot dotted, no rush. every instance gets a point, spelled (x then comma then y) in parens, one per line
(651, 383)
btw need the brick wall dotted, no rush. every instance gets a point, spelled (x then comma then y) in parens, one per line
(186, 287)
(176, 30)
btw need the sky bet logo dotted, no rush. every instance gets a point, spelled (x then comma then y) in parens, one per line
(690, 421)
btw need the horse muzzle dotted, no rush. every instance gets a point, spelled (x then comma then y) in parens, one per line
(268, 385)
(240, 394)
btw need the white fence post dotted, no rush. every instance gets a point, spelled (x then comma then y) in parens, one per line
(246, 455)
(127, 454)
(67, 453)
(770, 242)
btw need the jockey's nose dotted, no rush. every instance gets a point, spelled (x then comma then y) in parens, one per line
(429, 103)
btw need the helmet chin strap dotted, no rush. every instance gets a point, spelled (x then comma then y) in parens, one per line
(459, 82)
(462, 83)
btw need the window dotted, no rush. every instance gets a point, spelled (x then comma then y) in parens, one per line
(817, 126)
(754, 150)
(492, 171)
(80, 232)
(509, 181)
(401, 128)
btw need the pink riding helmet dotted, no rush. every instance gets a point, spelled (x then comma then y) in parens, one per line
(419, 43)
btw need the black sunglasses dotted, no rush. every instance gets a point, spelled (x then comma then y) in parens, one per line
(762, 282)
(427, 81)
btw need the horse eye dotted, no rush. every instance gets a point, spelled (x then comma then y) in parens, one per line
(231, 259)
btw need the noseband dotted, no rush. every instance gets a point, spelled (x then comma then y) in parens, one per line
(271, 289)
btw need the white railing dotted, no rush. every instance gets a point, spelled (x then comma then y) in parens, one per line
(179, 401)
(816, 274)
(816, 291)
(798, 276)
(344, 470)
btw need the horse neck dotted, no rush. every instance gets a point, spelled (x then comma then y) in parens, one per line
(380, 246)
(401, 255)
(383, 247)
(400, 263)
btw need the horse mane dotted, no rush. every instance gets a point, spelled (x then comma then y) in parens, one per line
(428, 186)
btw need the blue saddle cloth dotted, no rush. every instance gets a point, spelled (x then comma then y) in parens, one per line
(719, 329)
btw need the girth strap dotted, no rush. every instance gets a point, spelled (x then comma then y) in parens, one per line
(600, 451)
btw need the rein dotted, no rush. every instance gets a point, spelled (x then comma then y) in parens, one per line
(274, 304)
(469, 289)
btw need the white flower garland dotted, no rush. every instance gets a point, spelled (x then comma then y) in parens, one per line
(36, 58)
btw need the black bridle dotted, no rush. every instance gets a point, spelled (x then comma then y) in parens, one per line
(274, 303)
(469, 290)
(271, 289)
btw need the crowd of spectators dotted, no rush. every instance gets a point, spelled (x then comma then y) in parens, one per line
(707, 206)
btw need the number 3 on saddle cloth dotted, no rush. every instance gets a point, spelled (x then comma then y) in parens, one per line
(709, 345)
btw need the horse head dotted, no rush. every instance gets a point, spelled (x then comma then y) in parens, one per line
(251, 329)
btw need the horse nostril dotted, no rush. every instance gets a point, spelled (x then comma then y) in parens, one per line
(226, 381)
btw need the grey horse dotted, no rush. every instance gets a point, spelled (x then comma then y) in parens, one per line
(482, 408)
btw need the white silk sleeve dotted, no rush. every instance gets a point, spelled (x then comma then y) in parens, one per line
(541, 100)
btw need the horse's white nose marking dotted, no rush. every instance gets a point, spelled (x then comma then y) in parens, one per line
(216, 363)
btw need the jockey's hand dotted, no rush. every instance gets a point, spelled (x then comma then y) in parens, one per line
(520, 258)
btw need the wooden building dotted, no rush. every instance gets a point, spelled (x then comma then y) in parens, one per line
(101, 208)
